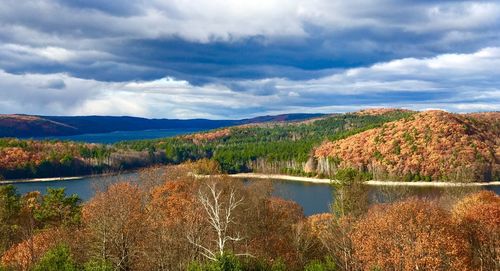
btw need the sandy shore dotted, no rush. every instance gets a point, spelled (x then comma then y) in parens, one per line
(274, 177)
(280, 177)
(40, 180)
(55, 179)
(377, 183)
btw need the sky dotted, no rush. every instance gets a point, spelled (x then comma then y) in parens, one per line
(235, 59)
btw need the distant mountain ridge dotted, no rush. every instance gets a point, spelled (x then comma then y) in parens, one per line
(23, 126)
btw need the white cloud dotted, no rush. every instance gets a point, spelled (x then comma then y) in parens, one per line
(50, 53)
(455, 82)
(425, 73)
(208, 20)
(114, 103)
(119, 40)
(468, 15)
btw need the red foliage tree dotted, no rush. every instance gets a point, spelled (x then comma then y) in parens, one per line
(479, 216)
(410, 235)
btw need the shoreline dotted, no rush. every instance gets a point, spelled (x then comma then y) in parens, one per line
(43, 180)
(372, 182)
(268, 176)
(56, 179)
(281, 177)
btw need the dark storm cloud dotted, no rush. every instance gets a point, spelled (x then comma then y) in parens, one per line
(115, 7)
(288, 54)
(332, 35)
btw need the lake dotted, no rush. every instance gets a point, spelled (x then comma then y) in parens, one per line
(113, 137)
(314, 198)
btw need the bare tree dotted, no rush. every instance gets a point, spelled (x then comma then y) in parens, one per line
(219, 209)
(305, 244)
(115, 225)
(337, 242)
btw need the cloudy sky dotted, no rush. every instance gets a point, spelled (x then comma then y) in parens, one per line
(240, 58)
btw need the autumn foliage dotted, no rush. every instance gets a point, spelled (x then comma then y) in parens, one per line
(18, 155)
(114, 225)
(479, 217)
(34, 223)
(409, 235)
(23, 255)
(167, 227)
(35, 158)
(379, 111)
(209, 136)
(431, 145)
(179, 222)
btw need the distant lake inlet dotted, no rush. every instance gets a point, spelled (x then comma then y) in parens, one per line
(113, 137)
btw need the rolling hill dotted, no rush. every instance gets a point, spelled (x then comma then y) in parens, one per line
(384, 144)
(23, 126)
(29, 126)
(431, 145)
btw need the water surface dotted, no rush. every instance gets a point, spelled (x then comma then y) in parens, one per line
(313, 197)
(113, 137)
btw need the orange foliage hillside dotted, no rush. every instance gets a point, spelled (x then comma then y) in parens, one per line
(436, 144)
(16, 153)
(209, 136)
(379, 111)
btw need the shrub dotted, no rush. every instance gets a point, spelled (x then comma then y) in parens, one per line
(225, 262)
(57, 259)
(327, 265)
(98, 265)
(348, 175)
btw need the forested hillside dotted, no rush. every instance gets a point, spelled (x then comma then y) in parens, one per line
(32, 158)
(380, 143)
(432, 145)
(269, 147)
(23, 125)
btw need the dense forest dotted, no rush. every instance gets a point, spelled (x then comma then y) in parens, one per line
(170, 220)
(384, 144)
(34, 158)
(237, 149)
(431, 145)
(273, 147)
